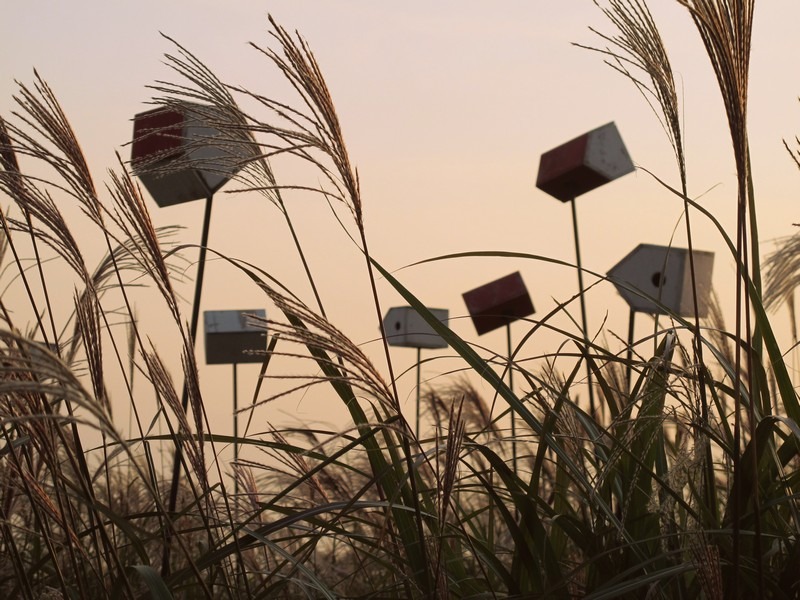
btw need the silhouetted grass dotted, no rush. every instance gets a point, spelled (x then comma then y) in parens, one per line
(682, 486)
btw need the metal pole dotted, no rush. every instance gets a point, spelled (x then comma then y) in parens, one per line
(583, 304)
(630, 350)
(419, 379)
(235, 436)
(511, 387)
(198, 289)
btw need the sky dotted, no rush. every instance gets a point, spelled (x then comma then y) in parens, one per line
(446, 107)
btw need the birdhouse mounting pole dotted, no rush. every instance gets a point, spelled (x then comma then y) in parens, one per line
(583, 303)
(198, 289)
(419, 381)
(235, 436)
(201, 268)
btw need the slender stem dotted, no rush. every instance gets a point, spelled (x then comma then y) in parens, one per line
(412, 480)
(44, 285)
(511, 387)
(23, 276)
(629, 357)
(582, 291)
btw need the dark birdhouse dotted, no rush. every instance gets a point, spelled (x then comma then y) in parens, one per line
(498, 303)
(232, 336)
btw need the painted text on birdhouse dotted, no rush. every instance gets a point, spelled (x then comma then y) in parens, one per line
(235, 336)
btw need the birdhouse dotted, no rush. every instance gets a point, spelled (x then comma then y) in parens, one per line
(582, 164)
(232, 336)
(498, 303)
(179, 154)
(405, 327)
(661, 273)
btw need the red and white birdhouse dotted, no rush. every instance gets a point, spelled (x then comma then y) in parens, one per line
(180, 154)
(582, 164)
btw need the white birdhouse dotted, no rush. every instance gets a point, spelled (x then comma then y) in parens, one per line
(405, 327)
(179, 153)
(582, 164)
(663, 274)
(231, 336)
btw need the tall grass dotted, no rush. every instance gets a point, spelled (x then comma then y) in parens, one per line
(681, 487)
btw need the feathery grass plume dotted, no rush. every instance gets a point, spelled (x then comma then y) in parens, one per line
(245, 156)
(134, 246)
(211, 103)
(782, 272)
(45, 119)
(43, 114)
(638, 52)
(298, 64)
(716, 331)
(298, 135)
(219, 110)
(349, 363)
(132, 217)
(50, 382)
(439, 403)
(35, 382)
(446, 475)
(781, 278)
(354, 380)
(323, 132)
(725, 26)
(168, 397)
(88, 324)
(322, 129)
(37, 203)
(124, 266)
(62, 152)
(42, 117)
(12, 178)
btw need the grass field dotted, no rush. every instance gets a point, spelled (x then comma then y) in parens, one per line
(680, 484)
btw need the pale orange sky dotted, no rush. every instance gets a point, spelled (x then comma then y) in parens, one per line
(446, 107)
